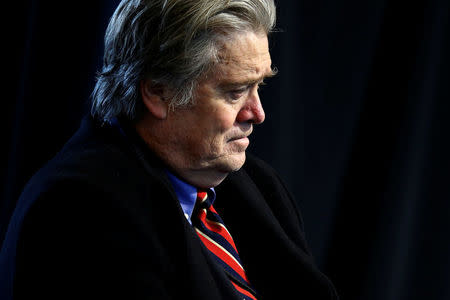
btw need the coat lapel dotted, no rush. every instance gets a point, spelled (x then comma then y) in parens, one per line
(276, 266)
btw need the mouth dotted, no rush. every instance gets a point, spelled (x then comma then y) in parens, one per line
(240, 142)
(237, 138)
(241, 136)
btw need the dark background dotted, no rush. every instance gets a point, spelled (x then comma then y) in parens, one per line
(357, 124)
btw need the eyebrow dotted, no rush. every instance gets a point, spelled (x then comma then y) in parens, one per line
(233, 84)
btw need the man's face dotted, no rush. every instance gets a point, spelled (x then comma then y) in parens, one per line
(212, 134)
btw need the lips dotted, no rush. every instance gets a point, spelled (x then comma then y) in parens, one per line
(237, 138)
(241, 134)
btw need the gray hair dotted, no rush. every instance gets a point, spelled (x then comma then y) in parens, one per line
(172, 43)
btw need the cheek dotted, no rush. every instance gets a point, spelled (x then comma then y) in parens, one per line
(215, 132)
(226, 119)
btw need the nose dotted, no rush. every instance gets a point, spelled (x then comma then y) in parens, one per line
(252, 111)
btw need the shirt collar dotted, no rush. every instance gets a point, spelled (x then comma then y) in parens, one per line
(187, 194)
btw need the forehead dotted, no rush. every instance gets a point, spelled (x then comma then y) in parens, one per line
(244, 56)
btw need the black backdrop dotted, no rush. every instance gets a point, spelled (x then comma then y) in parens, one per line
(357, 123)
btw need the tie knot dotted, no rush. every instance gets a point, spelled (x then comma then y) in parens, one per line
(201, 195)
(202, 199)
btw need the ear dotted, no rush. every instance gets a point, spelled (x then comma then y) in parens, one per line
(154, 100)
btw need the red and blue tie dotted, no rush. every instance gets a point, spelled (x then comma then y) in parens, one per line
(218, 241)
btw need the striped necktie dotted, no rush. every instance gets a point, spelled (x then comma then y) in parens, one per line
(218, 241)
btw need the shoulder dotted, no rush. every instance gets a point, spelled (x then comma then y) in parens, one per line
(90, 203)
(95, 174)
(95, 156)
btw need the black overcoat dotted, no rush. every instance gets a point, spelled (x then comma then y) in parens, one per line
(102, 221)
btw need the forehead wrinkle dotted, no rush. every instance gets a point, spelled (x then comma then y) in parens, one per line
(239, 67)
(245, 59)
(241, 58)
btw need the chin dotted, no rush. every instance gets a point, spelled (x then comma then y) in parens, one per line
(232, 162)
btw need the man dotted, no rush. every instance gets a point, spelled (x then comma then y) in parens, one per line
(155, 197)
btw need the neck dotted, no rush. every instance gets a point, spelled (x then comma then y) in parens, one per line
(202, 178)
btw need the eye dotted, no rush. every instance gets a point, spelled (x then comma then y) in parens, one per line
(236, 94)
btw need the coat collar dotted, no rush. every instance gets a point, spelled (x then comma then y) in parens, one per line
(272, 257)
